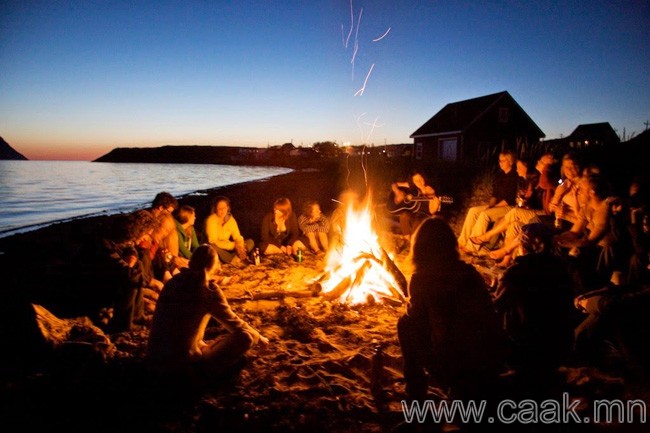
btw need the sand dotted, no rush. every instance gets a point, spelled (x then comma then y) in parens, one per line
(329, 367)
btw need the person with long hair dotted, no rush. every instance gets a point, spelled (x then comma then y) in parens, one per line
(279, 232)
(222, 232)
(451, 328)
(412, 213)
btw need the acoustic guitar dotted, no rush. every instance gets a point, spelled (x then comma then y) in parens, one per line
(405, 200)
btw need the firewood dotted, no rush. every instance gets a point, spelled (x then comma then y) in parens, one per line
(359, 275)
(275, 294)
(391, 267)
(340, 288)
(397, 295)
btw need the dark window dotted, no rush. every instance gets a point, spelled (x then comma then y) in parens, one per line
(504, 115)
(448, 149)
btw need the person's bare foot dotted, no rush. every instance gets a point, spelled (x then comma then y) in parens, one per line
(478, 240)
(505, 262)
(497, 254)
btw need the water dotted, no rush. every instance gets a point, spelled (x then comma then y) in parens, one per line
(34, 194)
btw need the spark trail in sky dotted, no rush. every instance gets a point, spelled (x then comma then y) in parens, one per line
(382, 36)
(372, 125)
(355, 52)
(356, 41)
(347, 40)
(363, 88)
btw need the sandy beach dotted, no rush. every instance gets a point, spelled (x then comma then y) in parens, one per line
(330, 366)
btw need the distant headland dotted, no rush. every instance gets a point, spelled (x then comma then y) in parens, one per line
(9, 153)
(280, 156)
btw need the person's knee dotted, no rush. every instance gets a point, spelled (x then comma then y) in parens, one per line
(405, 326)
(244, 340)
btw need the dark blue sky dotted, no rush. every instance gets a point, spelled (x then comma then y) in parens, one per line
(79, 78)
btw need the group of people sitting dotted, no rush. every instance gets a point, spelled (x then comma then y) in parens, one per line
(159, 250)
(596, 230)
(575, 269)
(559, 241)
(478, 342)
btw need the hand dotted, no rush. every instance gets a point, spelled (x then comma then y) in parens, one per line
(131, 260)
(240, 249)
(264, 341)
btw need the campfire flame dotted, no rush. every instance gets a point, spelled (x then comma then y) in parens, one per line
(360, 270)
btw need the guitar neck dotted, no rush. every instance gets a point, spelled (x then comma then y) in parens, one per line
(442, 198)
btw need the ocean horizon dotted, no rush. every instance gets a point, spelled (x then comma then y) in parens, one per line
(35, 194)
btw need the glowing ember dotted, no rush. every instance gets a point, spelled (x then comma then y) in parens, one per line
(360, 270)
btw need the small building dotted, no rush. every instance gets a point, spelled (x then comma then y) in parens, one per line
(476, 130)
(592, 134)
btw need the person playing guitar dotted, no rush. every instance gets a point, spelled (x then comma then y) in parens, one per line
(414, 200)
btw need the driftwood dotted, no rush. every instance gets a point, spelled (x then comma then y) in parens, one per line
(278, 294)
(73, 335)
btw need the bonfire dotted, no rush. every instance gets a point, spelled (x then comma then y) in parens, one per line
(360, 270)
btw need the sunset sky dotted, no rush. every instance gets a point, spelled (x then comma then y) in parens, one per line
(79, 78)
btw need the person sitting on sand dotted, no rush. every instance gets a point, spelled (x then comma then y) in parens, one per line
(591, 243)
(450, 328)
(163, 202)
(164, 249)
(535, 189)
(412, 213)
(503, 198)
(222, 232)
(185, 217)
(535, 300)
(143, 247)
(314, 228)
(186, 305)
(279, 232)
(564, 204)
(114, 271)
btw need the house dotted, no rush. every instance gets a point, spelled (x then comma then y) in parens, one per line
(595, 139)
(592, 134)
(476, 130)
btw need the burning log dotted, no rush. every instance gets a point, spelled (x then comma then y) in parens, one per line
(339, 289)
(362, 271)
(391, 267)
(360, 274)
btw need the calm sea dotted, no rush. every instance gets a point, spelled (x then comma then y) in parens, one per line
(34, 194)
